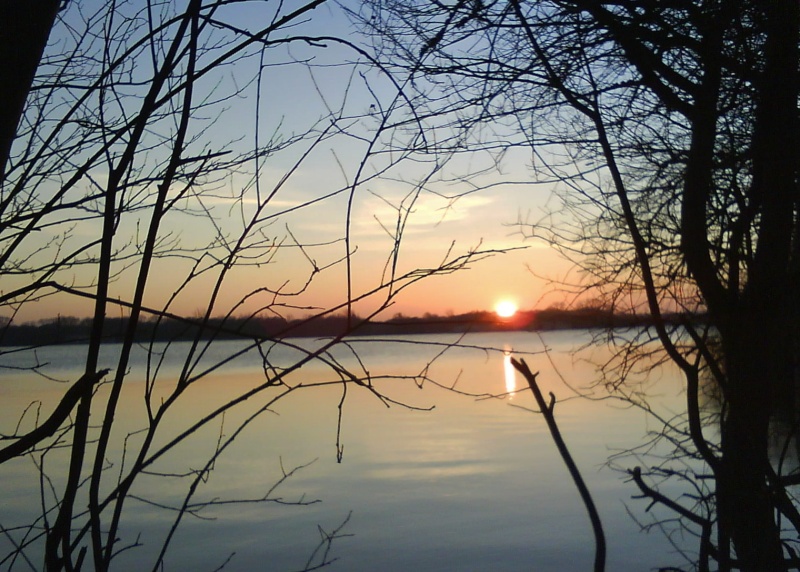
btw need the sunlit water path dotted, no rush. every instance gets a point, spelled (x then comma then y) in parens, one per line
(473, 484)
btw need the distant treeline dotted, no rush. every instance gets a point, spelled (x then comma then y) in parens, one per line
(64, 330)
(534, 320)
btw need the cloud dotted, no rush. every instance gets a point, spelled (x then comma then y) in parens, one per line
(423, 214)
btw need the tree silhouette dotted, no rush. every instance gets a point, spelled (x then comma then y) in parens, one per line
(147, 163)
(670, 131)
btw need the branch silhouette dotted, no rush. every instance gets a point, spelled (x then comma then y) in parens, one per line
(586, 496)
(51, 425)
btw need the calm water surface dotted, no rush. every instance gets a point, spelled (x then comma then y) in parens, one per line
(472, 484)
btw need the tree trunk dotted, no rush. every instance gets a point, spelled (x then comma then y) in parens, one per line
(24, 28)
(757, 364)
(755, 323)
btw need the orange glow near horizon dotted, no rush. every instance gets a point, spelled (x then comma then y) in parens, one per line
(501, 285)
(505, 308)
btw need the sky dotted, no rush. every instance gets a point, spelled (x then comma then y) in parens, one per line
(356, 163)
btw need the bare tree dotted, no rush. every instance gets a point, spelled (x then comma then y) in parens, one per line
(670, 131)
(154, 157)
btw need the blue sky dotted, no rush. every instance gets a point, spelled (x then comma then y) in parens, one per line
(339, 110)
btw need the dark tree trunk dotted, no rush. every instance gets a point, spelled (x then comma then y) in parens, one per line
(745, 503)
(24, 28)
(759, 340)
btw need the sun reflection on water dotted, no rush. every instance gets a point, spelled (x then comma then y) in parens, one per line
(510, 373)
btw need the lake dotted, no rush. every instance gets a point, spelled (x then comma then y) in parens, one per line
(475, 483)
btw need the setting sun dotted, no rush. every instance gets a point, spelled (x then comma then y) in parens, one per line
(505, 308)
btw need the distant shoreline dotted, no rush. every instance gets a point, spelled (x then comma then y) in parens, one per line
(76, 330)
